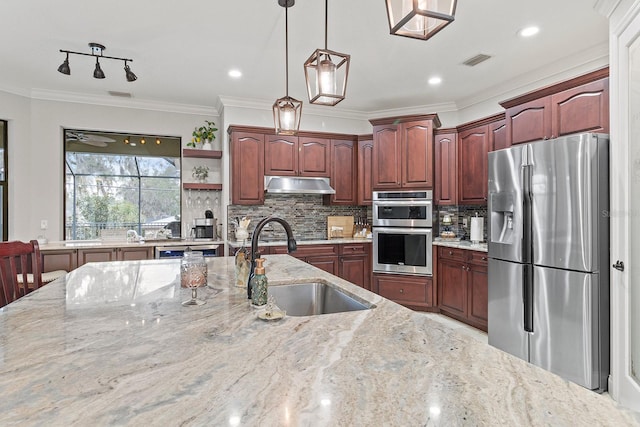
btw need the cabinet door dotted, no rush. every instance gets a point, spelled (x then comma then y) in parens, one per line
(498, 135)
(247, 168)
(478, 295)
(343, 173)
(365, 176)
(64, 259)
(473, 147)
(355, 269)
(582, 109)
(134, 254)
(530, 121)
(96, 255)
(411, 291)
(417, 154)
(446, 172)
(452, 288)
(326, 263)
(281, 155)
(314, 157)
(386, 158)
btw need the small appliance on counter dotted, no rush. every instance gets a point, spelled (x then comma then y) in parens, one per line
(205, 227)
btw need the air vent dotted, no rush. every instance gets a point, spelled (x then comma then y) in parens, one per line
(471, 62)
(120, 94)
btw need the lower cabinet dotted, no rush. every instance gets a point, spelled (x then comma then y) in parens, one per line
(349, 261)
(415, 292)
(463, 285)
(70, 259)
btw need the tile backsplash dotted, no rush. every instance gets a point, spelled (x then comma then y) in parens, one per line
(458, 214)
(306, 214)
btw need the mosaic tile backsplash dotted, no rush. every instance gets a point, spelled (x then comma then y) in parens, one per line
(305, 213)
(458, 214)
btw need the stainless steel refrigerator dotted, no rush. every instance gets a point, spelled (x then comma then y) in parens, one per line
(548, 243)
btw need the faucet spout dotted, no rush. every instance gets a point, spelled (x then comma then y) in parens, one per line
(291, 243)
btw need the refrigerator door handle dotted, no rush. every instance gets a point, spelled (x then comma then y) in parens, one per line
(527, 207)
(527, 296)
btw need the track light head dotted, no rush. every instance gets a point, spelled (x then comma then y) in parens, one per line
(64, 67)
(130, 76)
(98, 73)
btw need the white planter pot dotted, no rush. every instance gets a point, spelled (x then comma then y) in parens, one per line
(207, 146)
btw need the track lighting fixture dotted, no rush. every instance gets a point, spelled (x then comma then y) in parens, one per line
(96, 50)
(287, 110)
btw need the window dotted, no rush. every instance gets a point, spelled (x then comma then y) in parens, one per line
(117, 182)
(4, 185)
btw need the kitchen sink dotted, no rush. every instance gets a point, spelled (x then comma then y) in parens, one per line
(309, 299)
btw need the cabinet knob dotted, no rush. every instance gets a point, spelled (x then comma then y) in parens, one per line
(484, 258)
(401, 291)
(450, 252)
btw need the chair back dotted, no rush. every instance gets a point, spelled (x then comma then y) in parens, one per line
(17, 259)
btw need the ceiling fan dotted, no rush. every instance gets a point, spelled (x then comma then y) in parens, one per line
(88, 138)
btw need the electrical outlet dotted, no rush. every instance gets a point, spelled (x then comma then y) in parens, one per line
(44, 224)
(464, 222)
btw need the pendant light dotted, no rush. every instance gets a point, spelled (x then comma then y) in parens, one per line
(287, 110)
(326, 72)
(419, 19)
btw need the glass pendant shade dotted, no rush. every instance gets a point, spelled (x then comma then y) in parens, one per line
(419, 19)
(287, 112)
(326, 73)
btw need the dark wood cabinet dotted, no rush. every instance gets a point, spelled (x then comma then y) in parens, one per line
(577, 105)
(355, 263)
(344, 173)
(326, 263)
(462, 285)
(247, 167)
(296, 156)
(473, 147)
(446, 171)
(365, 174)
(415, 292)
(403, 152)
(498, 135)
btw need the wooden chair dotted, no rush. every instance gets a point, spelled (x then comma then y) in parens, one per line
(18, 260)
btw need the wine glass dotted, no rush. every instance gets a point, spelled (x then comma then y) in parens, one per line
(193, 274)
(198, 202)
(189, 201)
(207, 202)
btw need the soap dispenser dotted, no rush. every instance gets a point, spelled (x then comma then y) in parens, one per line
(259, 285)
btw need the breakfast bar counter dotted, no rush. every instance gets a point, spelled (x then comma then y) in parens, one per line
(111, 344)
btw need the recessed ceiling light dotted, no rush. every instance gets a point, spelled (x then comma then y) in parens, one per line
(235, 74)
(435, 81)
(529, 31)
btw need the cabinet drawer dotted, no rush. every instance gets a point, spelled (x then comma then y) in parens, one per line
(304, 251)
(452, 253)
(407, 289)
(480, 258)
(354, 249)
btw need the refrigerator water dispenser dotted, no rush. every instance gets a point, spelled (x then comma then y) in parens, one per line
(502, 217)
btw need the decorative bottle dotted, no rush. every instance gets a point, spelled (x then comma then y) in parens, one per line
(242, 268)
(259, 285)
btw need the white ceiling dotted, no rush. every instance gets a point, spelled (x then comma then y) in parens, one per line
(182, 50)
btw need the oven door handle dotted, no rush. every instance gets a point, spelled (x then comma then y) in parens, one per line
(403, 203)
(402, 230)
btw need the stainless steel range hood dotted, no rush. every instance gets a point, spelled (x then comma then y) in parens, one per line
(297, 185)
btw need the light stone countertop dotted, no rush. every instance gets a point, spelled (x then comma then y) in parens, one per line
(88, 244)
(110, 344)
(341, 241)
(461, 244)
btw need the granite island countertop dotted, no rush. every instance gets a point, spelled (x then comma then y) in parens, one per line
(88, 244)
(461, 244)
(110, 344)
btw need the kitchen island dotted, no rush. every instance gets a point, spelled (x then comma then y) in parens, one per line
(110, 344)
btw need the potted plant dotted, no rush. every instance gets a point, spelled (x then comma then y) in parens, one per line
(203, 135)
(201, 173)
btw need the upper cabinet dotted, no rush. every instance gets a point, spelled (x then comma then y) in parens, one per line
(577, 105)
(365, 174)
(344, 172)
(297, 156)
(403, 152)
(247, 167)
(446, 175)
(473, 146)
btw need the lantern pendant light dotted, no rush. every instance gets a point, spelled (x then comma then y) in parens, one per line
(326, 72)
(419, 19)
(287, 110)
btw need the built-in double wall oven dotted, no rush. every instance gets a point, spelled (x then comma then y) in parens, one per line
(402, 234)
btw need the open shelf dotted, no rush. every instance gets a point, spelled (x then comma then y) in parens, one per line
(206, 154)
(199, 186)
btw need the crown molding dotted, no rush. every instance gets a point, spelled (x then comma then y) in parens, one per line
(444, 107)
(16, 91)
(580, 63)
(606, 7)
(109, 101)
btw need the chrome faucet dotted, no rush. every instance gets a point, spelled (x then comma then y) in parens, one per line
(291, 243)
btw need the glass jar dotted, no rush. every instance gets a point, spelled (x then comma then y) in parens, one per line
(193, 270)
